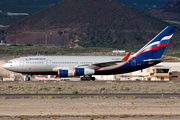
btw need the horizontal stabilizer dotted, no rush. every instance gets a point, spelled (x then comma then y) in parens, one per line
(159, 60)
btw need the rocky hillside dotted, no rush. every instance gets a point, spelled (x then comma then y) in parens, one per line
(95, 23)
(170, 12)
(27, 6)
(146, 5)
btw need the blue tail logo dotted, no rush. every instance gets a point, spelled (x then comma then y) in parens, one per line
(156, 47)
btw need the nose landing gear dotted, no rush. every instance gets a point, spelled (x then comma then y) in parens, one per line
(26, 77)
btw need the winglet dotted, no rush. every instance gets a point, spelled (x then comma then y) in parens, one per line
(126, 57)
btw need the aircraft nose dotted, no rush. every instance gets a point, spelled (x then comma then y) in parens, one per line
(5, 66)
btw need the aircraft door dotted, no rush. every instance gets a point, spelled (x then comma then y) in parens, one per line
(21, 63)
(133, 62)
(48, 62)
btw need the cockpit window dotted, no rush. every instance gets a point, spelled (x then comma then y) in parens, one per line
(9, 62)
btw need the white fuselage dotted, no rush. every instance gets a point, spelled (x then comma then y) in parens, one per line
(50, 63)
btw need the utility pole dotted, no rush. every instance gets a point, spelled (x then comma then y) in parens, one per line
(116, 51)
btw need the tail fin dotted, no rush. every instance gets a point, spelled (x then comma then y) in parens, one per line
(157, 46)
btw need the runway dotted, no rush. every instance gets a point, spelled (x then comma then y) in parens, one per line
(18, 96)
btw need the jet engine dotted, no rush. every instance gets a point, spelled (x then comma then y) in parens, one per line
(75, 72)
(83, 71)
(65, 73)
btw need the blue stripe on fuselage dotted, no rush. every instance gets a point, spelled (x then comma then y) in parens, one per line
(127, 67)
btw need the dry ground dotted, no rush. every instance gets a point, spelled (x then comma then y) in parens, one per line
(88, 87)
(94, 118)
(92, 106)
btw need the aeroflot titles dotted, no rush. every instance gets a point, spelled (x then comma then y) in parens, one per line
(35, 58)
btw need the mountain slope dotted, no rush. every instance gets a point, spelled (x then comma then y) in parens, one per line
(146, 5)
(33, 6)
(28, 6)
(99, 23)
(170, 12)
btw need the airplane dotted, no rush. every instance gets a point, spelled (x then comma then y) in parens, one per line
(86, 66)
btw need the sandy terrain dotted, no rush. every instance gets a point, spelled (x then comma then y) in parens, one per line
(89, 106)
(103, 118)
(88, 87)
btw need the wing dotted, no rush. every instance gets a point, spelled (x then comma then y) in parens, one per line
(105, 64)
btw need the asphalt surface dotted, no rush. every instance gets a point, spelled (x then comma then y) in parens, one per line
(169, 95)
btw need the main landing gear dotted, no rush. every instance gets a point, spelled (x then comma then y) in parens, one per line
(26, 77)
(88, 78)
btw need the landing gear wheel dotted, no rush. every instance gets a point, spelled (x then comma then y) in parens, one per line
(28, 78)
(93, 78)
(83, 79)
(88, 78)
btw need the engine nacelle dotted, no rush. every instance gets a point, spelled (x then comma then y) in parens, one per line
(65, 73)
(75, 72)
(83, 71)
